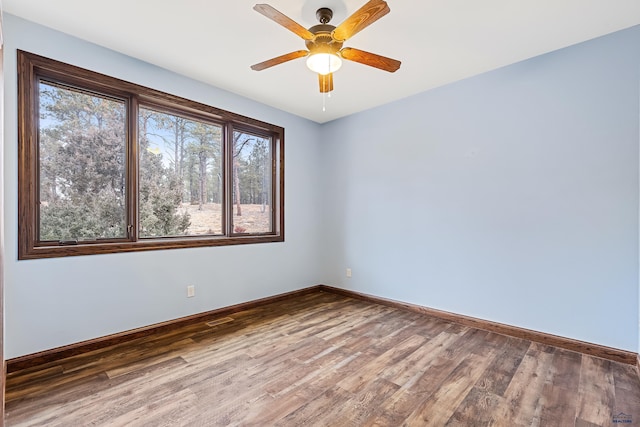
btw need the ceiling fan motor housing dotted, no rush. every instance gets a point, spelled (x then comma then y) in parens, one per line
(322, 41)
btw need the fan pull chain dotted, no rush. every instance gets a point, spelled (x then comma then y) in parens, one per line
(326, 93)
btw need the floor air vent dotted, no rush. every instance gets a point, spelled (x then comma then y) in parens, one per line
(220, 321)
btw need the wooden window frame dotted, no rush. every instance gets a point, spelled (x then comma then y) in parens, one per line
(33, 68)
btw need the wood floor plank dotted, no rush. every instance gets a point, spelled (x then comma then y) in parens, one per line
(165, 411)
(58, 398)
(627, 391)
(393, 356)
(522, 402)
(476, 408)
(323, 407)
(364, 402)
(273, 409)
(597, 391)
(438, 408)
(401, 404)
(172, 351)
(560, 396)
(328, 360)
(499, 373)
(559, 406)
(36, 376)
(402, 373)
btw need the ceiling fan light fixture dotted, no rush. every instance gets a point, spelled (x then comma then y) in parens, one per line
(324, 63)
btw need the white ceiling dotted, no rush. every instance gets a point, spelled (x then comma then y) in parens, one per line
(438, 41)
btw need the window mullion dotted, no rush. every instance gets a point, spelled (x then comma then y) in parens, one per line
(133, 170)
(277, 189)
(228, 180)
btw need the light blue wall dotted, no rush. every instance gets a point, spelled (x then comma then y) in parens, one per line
(511, 196)
(54, 302)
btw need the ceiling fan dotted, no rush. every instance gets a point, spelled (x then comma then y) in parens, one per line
(324, 41)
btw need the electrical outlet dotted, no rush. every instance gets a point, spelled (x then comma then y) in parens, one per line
(191, 291)
(348, 272)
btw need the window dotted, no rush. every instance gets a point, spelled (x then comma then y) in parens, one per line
(109, 166)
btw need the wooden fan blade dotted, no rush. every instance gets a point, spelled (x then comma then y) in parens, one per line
(283, 20)
(370, 59)
(360, 19)
(279, 60)
(326, 82)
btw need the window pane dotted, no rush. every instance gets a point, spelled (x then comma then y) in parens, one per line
(82, 165)
(251, 183)
(180, 176)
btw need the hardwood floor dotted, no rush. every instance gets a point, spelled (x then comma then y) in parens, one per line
(327, 360)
